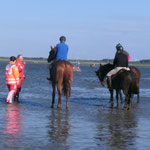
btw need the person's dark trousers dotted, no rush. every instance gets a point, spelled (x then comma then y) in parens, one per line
(16, 96)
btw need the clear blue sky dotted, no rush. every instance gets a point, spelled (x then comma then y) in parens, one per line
(92, 27)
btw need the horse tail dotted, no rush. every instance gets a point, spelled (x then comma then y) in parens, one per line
(64, 88)
(67, 80)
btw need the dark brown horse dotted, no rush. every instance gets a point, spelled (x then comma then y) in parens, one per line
(128, 81)
(62, 75)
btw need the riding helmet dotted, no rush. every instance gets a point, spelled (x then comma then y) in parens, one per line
(119, 47)
(62, 39)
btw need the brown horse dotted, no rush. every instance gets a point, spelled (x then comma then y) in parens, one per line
(62, 75)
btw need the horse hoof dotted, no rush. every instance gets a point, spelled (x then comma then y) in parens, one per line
(52, 106)
(126, 108)
(58, 106)
(111, 105)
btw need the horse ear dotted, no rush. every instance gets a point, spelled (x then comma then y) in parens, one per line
(54, 47)
(51, 47)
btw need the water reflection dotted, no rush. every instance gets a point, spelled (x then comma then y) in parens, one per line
(120, 129)
(59, 126)
(12, 124)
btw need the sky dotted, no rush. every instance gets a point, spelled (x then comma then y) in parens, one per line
(92, 27)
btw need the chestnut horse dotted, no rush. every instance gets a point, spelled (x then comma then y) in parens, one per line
(62, 76)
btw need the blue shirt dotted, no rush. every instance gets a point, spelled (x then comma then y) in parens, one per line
(61, 50)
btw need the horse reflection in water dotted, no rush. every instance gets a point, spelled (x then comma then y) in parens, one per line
(12, 125)
(62, 76)
(118, 132)
(59, 126)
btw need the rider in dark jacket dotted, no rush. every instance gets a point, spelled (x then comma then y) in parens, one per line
(120, 62)
(119, 46)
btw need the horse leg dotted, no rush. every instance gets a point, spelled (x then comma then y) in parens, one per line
(121, 98)
(127, 104)
(131, 97)
(68, 94)
(117, 97)
(138, 96)
(126, 101)
(130, 100)
(53, 96)
(111, 98)
(126, 93)
(59, 88)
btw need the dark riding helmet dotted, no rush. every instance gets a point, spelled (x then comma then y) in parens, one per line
(62, 39)
(119, 47)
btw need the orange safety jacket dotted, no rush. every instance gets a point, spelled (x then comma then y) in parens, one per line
(21, 67)
(11, 73)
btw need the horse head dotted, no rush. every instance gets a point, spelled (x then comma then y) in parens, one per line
(52, 55)
(102, 72)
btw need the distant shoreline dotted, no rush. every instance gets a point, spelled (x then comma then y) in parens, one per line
(145, 62)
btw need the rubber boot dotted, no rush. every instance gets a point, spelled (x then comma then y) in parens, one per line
(16, 97)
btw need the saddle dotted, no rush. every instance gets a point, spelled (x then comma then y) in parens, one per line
(119, 72)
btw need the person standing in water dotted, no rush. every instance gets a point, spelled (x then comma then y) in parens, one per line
(21, 65)
(12, 78)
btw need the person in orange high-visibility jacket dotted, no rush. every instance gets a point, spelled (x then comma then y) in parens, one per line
(21, 65)
(12, 78)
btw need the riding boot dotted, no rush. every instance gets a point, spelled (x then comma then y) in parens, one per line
(50, 78)
(109, 82)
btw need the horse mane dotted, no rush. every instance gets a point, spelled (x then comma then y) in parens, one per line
(106, 68)
(52, 54)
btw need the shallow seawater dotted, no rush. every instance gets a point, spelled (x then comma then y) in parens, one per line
(89, 123)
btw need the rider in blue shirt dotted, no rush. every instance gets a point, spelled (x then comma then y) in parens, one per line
(61, 52)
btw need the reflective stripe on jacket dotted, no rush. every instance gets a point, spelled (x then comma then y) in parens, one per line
(11, 73)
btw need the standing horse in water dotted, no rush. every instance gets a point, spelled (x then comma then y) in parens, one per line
(62, 75)
(128, 81)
